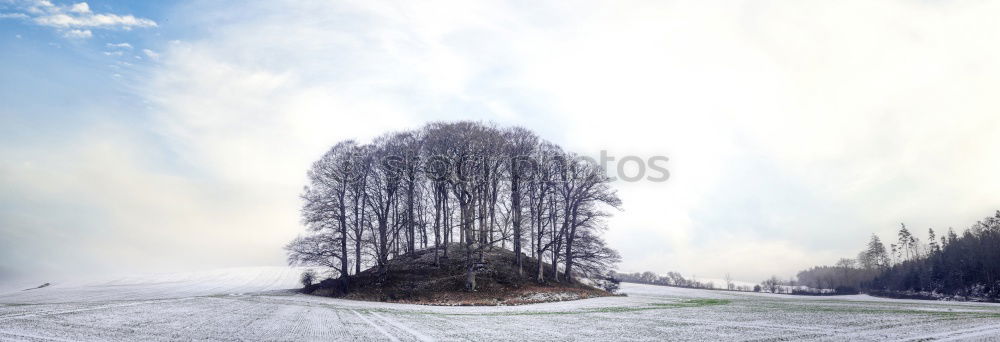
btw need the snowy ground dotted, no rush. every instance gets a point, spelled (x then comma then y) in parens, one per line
(253, 304)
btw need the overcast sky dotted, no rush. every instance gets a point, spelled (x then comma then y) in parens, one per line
(166, 136)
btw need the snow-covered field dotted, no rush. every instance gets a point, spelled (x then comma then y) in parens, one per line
(254, 304)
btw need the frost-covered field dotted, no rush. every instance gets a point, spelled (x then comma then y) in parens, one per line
(252, 304)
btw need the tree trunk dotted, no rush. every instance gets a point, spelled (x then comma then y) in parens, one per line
(437, 223)
(515, 199)
(570, 237)
(470, 278)
(343, 238)
(541, 270)
(466, 203)
(410, 217)
(555, 264)
(569, 259)
(446, 221)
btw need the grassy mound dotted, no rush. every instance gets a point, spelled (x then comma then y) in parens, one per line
(414, 278)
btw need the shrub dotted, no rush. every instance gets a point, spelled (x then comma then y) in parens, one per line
(308, 278)
(846, 290)
(611, 284)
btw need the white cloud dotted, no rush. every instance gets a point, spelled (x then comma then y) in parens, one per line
(62, 20)
(75, 19)
(151, 54)
(80, 7)
(119, 45)
(38, 6)
(78, 34)
(13, 16)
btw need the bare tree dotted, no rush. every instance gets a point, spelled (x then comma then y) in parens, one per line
(520, 145)
(772, 285)
(325, 212)
(385, 179)
(582, 186)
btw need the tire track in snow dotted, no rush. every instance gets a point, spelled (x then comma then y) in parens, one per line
(401, 326)
(35, 337)
(50, 313)
(385, 333)
(955, 335)
(749, 325)
(992, 332)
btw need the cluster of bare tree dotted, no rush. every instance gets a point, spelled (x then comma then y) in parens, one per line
(462, 182)
(845, 277)
(671, 279)
(952, 264)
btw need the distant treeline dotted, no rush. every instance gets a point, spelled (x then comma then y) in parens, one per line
(965, 266)
(675, 279)
(773, 284)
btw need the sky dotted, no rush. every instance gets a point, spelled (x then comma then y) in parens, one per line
(149, 136)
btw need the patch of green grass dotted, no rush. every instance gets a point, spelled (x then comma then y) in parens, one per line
(956, 314)
(705, 302)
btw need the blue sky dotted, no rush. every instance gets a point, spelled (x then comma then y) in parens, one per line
(794, 129)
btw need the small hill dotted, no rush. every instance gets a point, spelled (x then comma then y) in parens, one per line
(414, 278)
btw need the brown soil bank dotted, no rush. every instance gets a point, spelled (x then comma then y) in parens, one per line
(414, 278)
